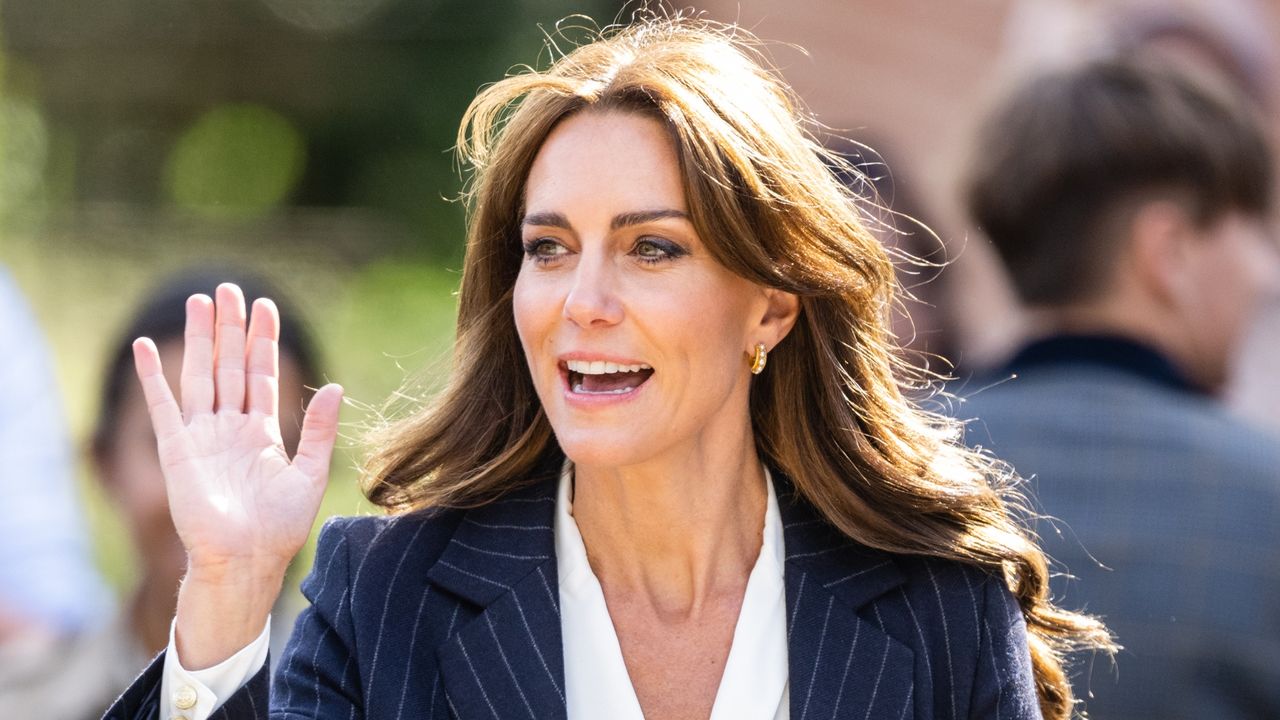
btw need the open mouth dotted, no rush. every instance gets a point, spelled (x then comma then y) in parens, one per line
(597, 377)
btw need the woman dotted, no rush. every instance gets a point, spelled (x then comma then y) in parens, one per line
(616, 508)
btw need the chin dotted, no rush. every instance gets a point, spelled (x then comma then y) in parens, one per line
(596, 448)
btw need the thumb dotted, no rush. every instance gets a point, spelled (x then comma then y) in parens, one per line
(319, 432)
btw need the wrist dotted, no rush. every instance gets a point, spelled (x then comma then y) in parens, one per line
(242, 571)
(221, 612)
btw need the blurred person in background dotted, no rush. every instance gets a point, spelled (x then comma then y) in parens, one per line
(75, 676)
(1131, 205)
(49, 585)
(1227, 42)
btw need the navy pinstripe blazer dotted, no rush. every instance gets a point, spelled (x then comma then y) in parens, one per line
(456, 615)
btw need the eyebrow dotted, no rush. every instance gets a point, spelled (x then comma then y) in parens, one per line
(555, 219)
(644, 216)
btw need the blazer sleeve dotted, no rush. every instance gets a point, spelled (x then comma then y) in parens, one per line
(318, 676)
(1004, 684)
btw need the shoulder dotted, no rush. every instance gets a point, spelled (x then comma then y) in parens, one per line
(924, 602)
(949, 577)
(370, 552)
(965, 634)
(968, 634)
(365, 534)
(1088, 412)
(1082, 391)
(374, 556)
(949, 611)
(946, 601)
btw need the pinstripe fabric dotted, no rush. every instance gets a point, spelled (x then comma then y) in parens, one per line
(455, 615)
(1168, 523)
(874, 635)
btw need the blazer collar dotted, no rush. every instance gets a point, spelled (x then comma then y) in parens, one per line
(841, 661)
(502, 560)
(499, 544)
(853, 573)
(507, 661)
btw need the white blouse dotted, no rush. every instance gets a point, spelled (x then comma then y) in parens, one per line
(755, 681)
(754, 685)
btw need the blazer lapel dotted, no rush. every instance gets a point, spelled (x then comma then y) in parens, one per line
(507, 661)
(841, 662)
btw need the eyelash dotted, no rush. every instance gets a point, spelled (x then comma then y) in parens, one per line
(670, 251)
(531, 248)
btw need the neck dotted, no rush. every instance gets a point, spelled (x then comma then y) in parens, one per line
(1150, 323)
(678, 532)
(1147, 324)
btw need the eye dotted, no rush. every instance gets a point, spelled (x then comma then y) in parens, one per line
(543, 250)
(653, 250)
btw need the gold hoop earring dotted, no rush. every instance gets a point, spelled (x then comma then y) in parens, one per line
(758, 359)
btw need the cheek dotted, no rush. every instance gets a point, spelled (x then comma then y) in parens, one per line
(534, 311)
(710, 322)
(523, 310)
(141, 482)
(1263, 266)
(136, 463)
(1238, 283)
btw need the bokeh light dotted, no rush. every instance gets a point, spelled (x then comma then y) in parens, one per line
(235, 162)
(24, 149)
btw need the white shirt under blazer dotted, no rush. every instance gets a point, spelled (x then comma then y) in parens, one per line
(754, 683)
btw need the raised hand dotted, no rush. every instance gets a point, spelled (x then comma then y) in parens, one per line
(241, 506)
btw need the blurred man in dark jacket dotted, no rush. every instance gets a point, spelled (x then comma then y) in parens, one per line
(1131, 207)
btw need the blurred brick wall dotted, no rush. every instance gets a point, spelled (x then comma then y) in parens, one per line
(907, 76)
(912, 79)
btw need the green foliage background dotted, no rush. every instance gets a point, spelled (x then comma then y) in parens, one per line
(145, 136)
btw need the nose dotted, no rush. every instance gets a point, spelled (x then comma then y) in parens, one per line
(593, 299)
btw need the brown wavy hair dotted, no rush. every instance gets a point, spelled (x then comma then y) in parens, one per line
(829, 412)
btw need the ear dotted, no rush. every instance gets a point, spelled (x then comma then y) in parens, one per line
(781, 311)
(1162, 239)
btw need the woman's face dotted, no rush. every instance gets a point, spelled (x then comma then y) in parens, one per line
(636, 337)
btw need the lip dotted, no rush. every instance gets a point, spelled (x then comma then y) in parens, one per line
(591, 357)
(584, 401)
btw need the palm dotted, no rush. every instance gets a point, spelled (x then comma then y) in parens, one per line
(235, 486)
(234, 494)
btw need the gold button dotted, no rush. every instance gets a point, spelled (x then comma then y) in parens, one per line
(185, 698)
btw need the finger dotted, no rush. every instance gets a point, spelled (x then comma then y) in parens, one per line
(229, 344)
(263, 362)
(197, 357)
(166, 419)
(319, 431)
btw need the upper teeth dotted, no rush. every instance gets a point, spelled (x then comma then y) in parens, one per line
(600, 367)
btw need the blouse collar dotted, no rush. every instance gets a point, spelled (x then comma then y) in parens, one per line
(755, 673)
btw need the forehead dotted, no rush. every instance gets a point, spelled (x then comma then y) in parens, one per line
(610, 161)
